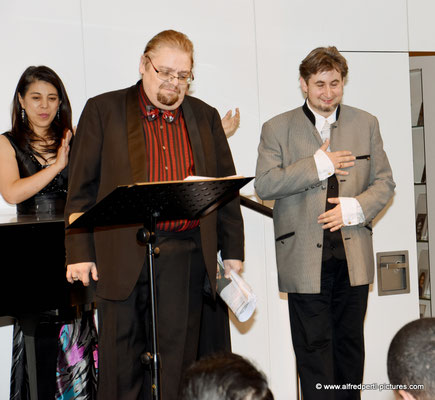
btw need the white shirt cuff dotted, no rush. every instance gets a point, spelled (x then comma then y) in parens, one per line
(325, 167)
(351, 211)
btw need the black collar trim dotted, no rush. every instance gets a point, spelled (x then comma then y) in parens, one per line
(310, 114)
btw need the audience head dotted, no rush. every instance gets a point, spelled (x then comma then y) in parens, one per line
(411, 359)
(225, 376)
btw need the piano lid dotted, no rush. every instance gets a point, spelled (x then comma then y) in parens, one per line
(14, 219)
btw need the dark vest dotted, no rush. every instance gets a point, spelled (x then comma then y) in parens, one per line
(332, 241)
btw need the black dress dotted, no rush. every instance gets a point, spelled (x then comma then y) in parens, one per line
(51, 199)
(67, 349)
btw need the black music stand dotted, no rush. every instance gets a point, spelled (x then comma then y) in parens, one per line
(146, 203)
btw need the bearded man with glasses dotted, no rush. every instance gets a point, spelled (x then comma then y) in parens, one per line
(152, 131)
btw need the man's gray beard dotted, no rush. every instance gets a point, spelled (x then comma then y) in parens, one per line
(167, 100)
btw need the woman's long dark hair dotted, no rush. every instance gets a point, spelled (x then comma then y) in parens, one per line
(22, 130)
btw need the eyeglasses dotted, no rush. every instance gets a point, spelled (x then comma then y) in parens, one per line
(183, 79)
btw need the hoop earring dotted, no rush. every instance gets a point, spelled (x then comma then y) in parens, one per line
(58, 113)
(23, 114)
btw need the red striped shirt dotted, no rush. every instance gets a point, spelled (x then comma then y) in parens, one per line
(169, 153)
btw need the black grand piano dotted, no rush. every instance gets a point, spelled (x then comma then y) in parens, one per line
(33, 271)
(32, 279)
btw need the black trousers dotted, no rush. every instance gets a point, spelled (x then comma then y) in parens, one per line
(328, 334)
(125, 330)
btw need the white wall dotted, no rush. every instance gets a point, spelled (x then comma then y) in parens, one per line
(420, 25)
(247, 55)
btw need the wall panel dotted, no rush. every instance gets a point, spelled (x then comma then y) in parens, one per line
(353, 26)
(420, 25)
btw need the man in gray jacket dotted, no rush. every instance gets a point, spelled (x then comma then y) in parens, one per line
(325, 166)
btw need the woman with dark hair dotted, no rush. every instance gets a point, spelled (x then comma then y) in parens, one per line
(34, 154)
(33, 175)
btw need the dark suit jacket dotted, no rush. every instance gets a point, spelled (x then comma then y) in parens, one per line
(109, 150)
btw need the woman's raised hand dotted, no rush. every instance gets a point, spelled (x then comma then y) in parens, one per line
(63, 150)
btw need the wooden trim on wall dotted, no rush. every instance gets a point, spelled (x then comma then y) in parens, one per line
(421, 53)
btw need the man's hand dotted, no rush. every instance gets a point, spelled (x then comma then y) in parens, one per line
(340, 159)
(231, 122)
(231, 264)
(81, 271)
(332, 219)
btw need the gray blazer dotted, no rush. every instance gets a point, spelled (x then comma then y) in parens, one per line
(286, 172)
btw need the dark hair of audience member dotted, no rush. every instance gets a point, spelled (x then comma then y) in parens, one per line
(411, 358)
(224, 376)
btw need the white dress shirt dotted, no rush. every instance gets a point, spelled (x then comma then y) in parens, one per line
(351, 211)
